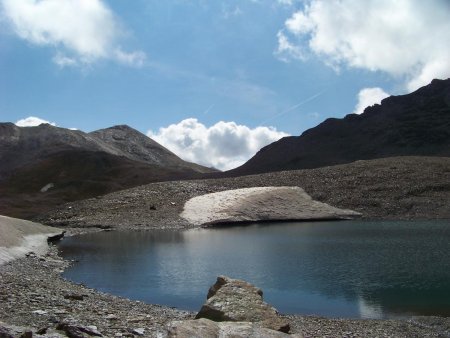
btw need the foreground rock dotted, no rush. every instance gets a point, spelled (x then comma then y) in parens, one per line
(206, 328)
(239, 301)
(259, 204)
(19, 237)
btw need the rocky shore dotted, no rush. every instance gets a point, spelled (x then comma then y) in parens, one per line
(34, 296)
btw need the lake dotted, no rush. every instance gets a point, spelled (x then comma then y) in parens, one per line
(353, 269)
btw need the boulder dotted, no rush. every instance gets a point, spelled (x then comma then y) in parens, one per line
(260, 204)
(239, 301)
(4, 333)
(206, 328)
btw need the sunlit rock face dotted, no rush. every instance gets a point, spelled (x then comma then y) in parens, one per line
(235, 300)
(259, 204)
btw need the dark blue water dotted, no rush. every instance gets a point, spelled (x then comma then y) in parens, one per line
(341, 269)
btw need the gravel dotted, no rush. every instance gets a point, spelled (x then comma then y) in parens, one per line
(34, 295)
(392, 188)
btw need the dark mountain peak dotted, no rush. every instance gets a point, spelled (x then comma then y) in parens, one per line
(121, 127)
(8, 131)
(79, 165)
(415, 124)
(138, 147)
(135, 145)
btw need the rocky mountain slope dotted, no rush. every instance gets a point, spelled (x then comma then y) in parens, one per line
(44, 166)
(417, 124)
(138, 147)
(390, 188)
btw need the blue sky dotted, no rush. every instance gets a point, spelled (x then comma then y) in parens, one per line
(175, 69)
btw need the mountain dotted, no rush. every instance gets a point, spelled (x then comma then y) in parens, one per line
(138, 147)
(45, 166)
(417, 124)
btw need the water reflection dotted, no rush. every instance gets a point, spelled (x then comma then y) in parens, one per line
(349, 269)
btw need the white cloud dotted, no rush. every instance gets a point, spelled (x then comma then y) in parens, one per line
(286, 2)
(407, 39)
(82, 31)
(286, 50)
(64, 61)
(368, 97)
(224, 145)
(32, 121)
(231, 12)
(136, 59)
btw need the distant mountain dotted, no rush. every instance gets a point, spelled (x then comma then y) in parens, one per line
(417, 124)
(43, 166)
(138, 147)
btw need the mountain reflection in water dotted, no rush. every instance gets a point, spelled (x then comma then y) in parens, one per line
(343, 269)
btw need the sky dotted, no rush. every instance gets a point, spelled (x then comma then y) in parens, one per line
(213, 80)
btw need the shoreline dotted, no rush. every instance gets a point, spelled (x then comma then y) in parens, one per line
(33, 294)
(389, 189)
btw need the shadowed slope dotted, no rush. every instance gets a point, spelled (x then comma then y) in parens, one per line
(417, 124)
(44, 166)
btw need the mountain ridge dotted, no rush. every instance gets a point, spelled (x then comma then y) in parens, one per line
(415, 124)
(77, 165)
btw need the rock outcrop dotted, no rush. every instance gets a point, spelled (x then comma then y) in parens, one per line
(233, 300)
(206, 328)
(259, 204)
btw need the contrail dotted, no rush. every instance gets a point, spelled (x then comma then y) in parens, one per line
(209, 109)
(294, 107)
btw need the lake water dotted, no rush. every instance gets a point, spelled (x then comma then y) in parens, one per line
(341, 269)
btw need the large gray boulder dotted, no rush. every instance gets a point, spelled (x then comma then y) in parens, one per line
(205, 328)
(260, 204)
(233, 300)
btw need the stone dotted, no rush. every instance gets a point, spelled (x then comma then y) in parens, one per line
(42, 330)
(139, 331)
(71, 331)
(111, 316)
(193, 328)
(56, 238)
(73, 296)
(27, 334)
(259, 204)
(206, 328)
(239, 301)
(40, 312)
(90, 330)
(4, 333)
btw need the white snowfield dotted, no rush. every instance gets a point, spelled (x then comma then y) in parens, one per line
(18, 237)
(259, 204)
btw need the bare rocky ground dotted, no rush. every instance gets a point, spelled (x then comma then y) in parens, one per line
(33, 293)
(391, 188)
(34, 296)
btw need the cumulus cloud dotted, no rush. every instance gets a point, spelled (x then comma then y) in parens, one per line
(368, 97)
(225, 145)
(286, 50)
(407, 39)
(32, 121)
(83, 31)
